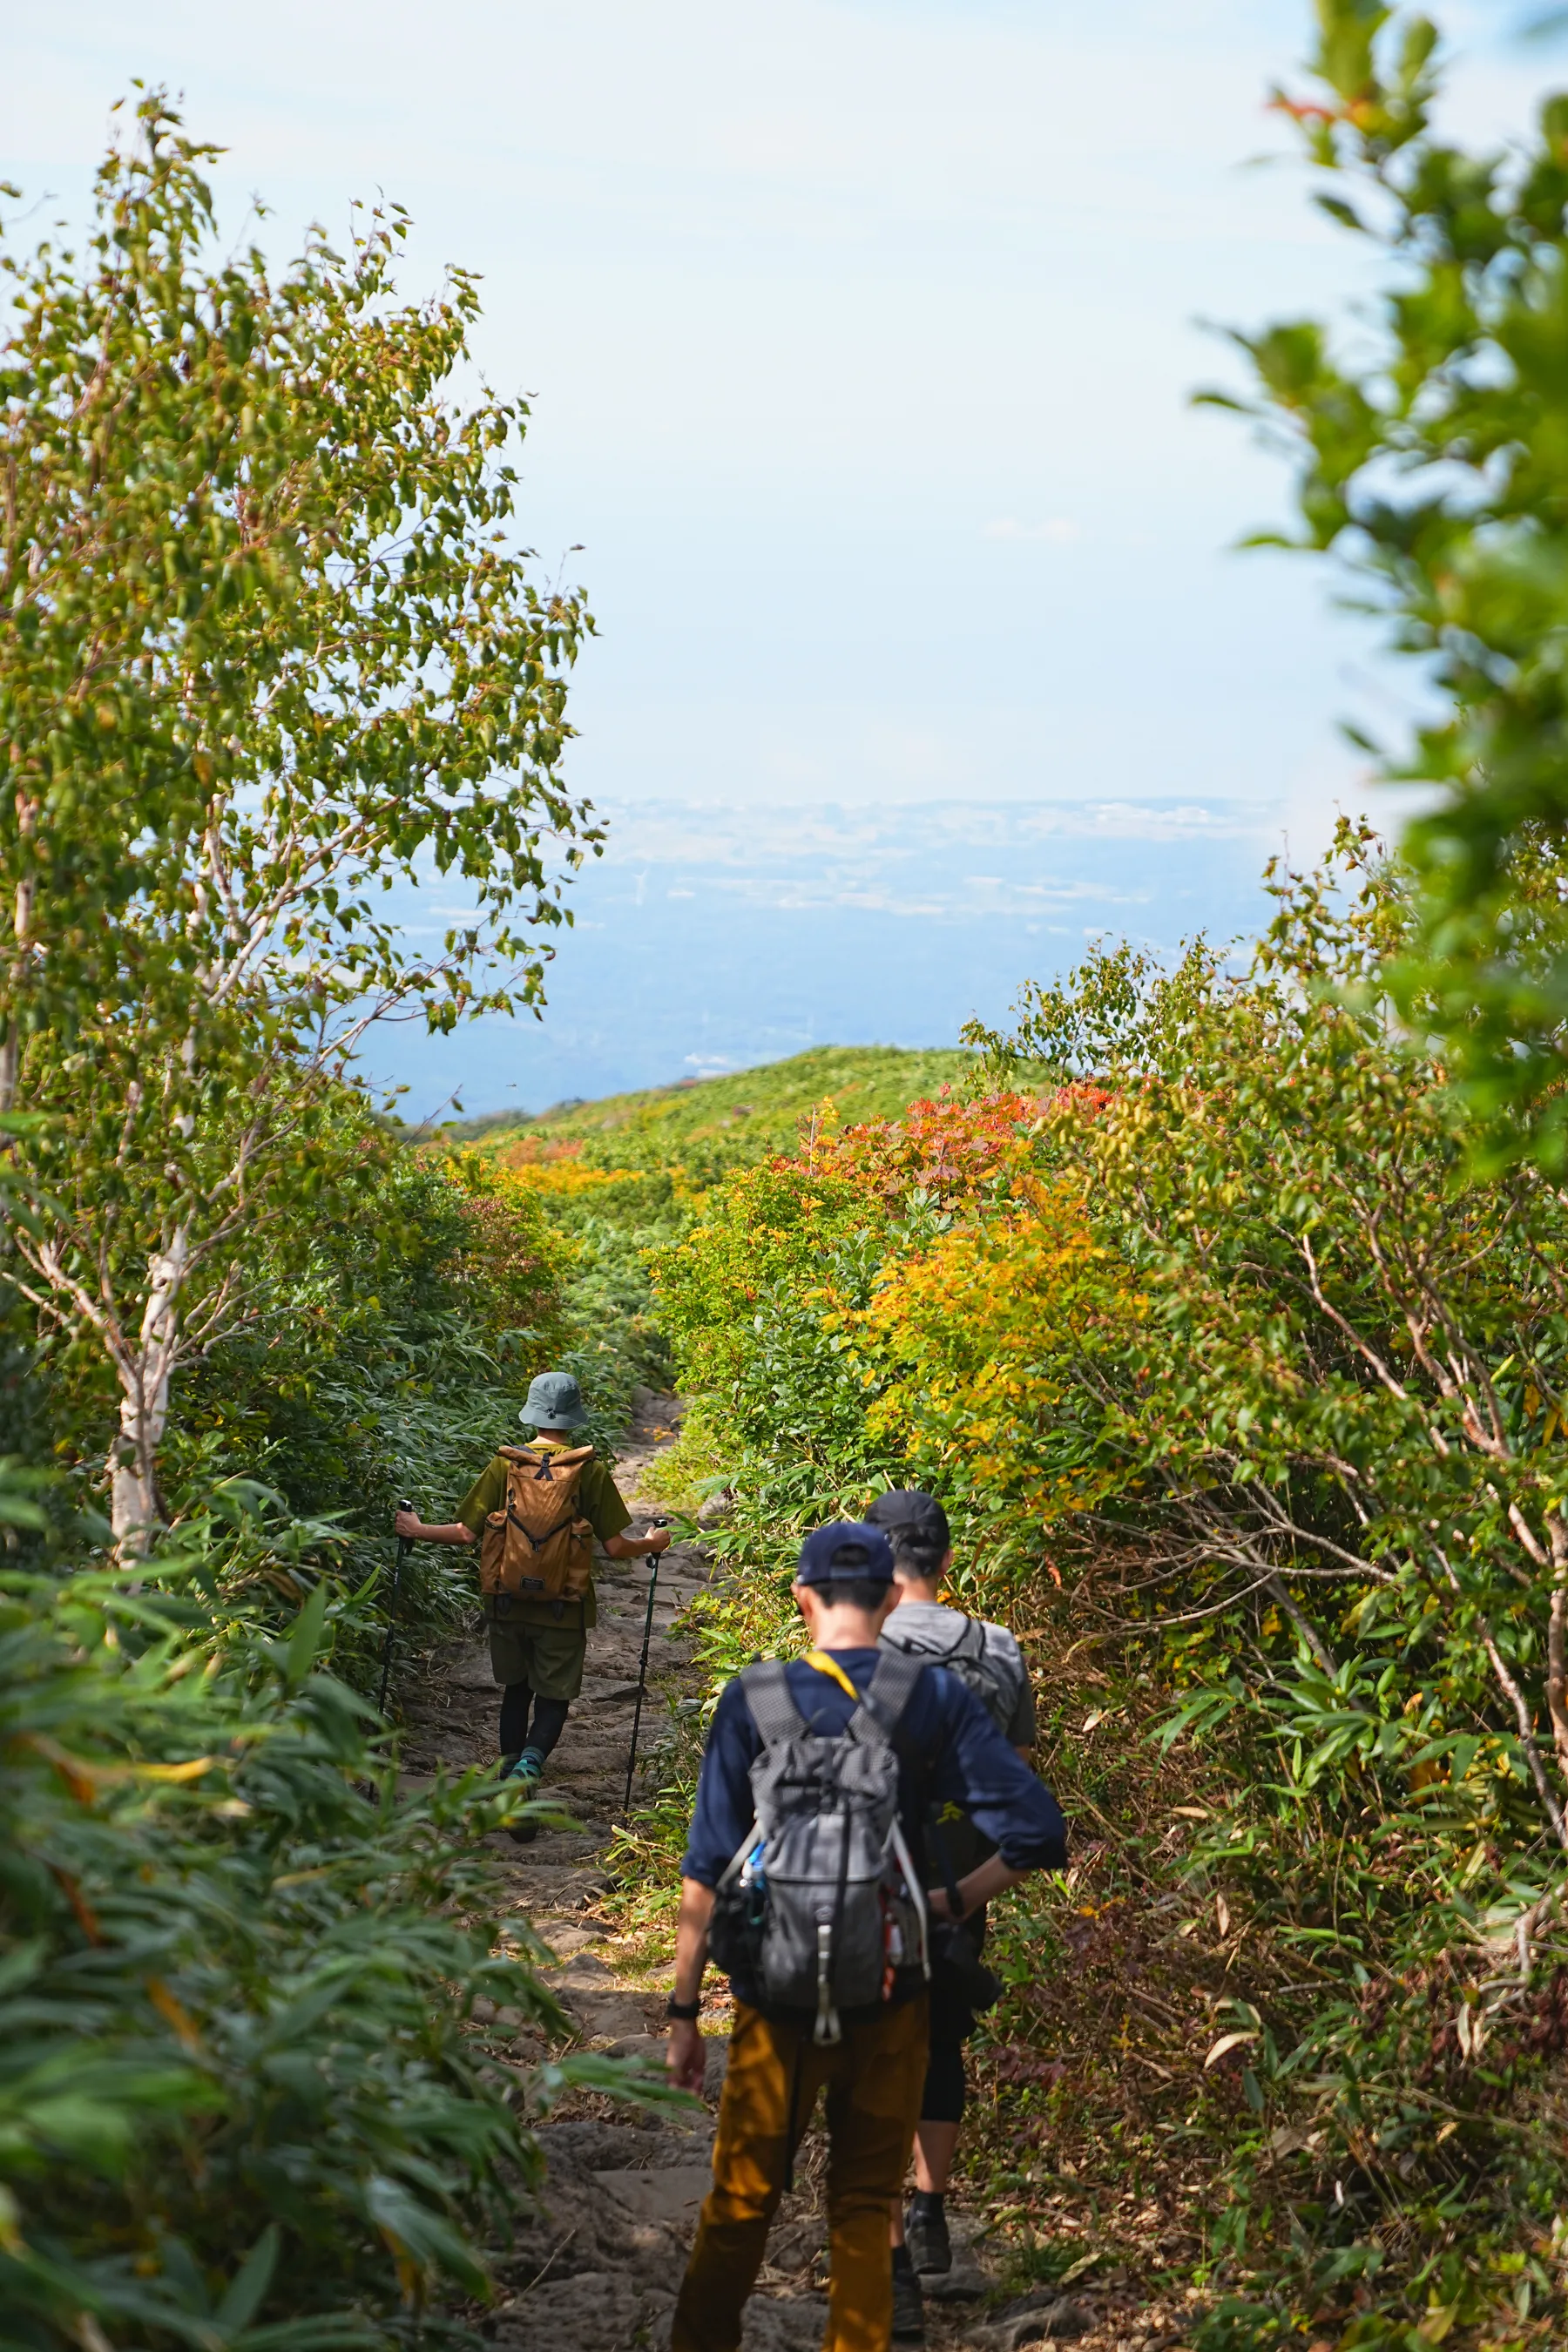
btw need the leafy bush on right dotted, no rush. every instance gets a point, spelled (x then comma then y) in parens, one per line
(1248, 1392)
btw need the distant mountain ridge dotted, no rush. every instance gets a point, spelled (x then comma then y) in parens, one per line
(744, 1114)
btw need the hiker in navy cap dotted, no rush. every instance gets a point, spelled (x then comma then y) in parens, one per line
(806, 1870)
(535, 1514)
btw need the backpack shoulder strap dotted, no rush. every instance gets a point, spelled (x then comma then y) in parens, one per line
(773, 1711)
(889, 1690)
(970, 1642)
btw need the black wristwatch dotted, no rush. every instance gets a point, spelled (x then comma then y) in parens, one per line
(687, 2011)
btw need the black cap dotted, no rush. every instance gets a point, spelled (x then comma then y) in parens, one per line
(912, 1520)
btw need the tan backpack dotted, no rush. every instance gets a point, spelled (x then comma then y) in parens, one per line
(538, 1545)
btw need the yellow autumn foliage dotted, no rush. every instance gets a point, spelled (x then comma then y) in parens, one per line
(980, 1339)
(564, 1179)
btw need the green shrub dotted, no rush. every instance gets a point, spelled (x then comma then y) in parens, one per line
(237, 2106)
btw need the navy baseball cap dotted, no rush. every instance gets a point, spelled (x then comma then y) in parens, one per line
(843, 1550)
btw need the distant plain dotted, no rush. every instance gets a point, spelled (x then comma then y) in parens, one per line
(709, 938)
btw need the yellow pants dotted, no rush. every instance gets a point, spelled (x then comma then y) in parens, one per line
(874, 2078)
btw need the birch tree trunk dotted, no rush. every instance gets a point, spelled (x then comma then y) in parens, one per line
(21, 946)
(145, 1373)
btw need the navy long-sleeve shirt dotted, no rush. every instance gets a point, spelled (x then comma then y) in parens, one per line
(950, 1752)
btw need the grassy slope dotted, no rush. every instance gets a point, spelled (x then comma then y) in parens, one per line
(742, 1116)
(668, 1144)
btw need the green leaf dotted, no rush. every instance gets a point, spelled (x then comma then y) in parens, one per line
(247, 2289)
(306, 1638)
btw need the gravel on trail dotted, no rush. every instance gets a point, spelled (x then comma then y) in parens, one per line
(594, 2265)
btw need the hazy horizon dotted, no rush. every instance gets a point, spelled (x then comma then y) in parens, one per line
(708, 938)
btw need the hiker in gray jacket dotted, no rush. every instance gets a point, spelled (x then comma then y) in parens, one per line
(988, 1659)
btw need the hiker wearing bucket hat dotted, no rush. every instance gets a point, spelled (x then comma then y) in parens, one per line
(535, 1512)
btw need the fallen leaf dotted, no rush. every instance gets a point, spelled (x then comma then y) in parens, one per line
(1077, 2270)
(1227, 2042)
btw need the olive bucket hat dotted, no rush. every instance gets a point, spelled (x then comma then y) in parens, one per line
(555, 1402)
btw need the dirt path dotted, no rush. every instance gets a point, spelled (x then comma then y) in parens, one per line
(595, 2268)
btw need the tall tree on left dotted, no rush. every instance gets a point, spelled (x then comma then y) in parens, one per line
(265, 646)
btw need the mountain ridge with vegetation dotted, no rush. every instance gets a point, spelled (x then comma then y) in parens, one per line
(765, 1101)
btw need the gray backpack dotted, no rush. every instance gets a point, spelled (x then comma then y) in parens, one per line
(822, 1905)
(990, 1675)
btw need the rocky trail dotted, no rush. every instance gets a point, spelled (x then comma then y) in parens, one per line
(594, 2266)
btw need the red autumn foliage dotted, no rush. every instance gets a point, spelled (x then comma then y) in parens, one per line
(947, 1149)
(529, 1151)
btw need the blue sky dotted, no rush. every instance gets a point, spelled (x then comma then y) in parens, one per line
(860, 335)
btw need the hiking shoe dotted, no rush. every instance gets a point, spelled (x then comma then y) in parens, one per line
(524, 1775)
(908, 2311)
(925, 2234)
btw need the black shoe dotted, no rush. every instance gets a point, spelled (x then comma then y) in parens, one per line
(908, 2311)
(925, 2234)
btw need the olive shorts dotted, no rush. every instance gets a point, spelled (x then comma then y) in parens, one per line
(548, 1658)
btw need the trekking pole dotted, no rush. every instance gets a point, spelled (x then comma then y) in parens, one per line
(405, 1546)
(642, 1677)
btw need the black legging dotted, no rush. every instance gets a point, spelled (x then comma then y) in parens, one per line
(943, 2101)
(549, 1721)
